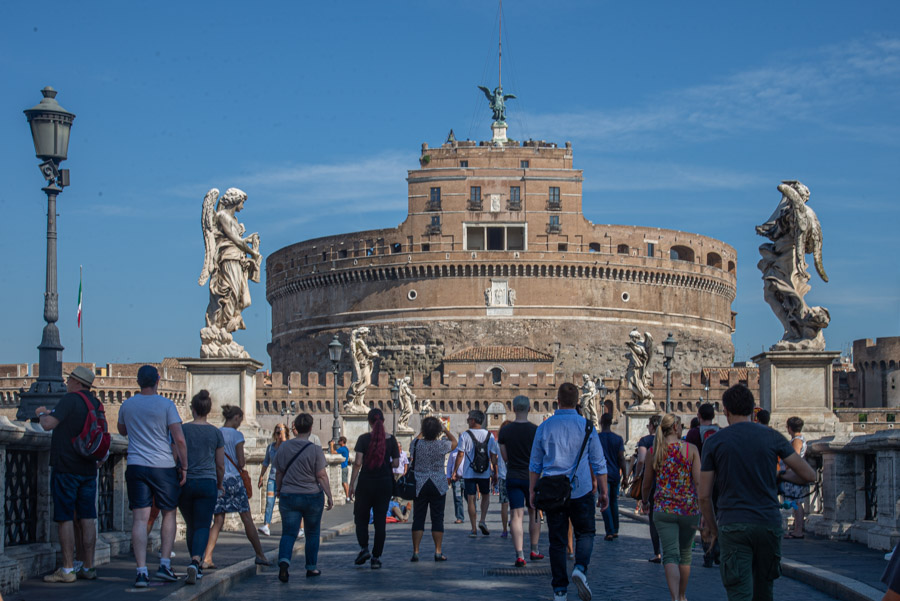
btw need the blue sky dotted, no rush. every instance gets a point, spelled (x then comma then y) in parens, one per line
(682, 115)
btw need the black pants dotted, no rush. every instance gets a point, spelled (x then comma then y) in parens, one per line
(654, 536)
(429, 497)
(372, 495)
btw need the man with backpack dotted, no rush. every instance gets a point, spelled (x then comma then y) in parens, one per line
(479, 450)
(73, 482)
(697, 436)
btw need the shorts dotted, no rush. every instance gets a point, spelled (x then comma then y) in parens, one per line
(345, 475)
(74, 496)
(234, 499)
(501, 488)
(148, 484)
(482, 485)
(517, 492)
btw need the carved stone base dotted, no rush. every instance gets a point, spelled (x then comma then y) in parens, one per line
(229, 382)
(798, 383)
(355, 425)
(499, 129)
(636, 420)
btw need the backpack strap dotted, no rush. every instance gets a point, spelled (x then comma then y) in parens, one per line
(87, 402)
(412, 455)
(588, 429)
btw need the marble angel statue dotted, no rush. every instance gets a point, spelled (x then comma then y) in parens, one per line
(407, 402)
(640, 351)
(231, 261)
(588, 401)
(794, 231)
(363, 359)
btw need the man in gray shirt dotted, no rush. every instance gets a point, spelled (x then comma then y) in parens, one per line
(149, 420)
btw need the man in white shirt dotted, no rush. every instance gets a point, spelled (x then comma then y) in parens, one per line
(478, 453)
(148, 420)
(404, 462)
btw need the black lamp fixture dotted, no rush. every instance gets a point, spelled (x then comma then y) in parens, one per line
(669, 345)
(335, 348)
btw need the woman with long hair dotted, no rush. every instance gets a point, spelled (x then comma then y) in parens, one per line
(674, 466)
(796, 493)
(372, 484)
(205, 472)
(428, 455)
(234, 497)
(279, 435)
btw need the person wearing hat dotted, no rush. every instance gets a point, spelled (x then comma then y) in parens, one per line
(153, 427)
(73, 480)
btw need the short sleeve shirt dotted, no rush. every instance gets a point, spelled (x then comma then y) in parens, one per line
(202, 440)
(612, 445)
(392, 451)
(742, 456)
(300, 477)
(344, 452)
(517, 437)
(232, 439)
(147, 418)
(467, 448)
(71, 413)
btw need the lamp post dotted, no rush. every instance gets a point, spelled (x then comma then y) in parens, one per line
(602, 391)
(395, 404)
(50, 127)
(334, 353)
(288, 415)
(669, 345)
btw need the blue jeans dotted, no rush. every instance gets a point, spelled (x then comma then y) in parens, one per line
(611, 513)
(458, 505)
(270, 501)
(294, 508)
(196, 503)
(581, 512)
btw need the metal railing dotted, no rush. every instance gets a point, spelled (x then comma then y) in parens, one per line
(20, 489)
(870, 486)
(106, 483)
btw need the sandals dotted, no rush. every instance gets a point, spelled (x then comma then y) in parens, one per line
(656, 559)
(414, 558)
(262, 562)
(313, 573)
(440, 557)
(208, 566)
(608, 537)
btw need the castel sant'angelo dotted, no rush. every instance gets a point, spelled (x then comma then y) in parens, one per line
(496, 265)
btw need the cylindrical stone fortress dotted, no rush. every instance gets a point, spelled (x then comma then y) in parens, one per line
(495, 251)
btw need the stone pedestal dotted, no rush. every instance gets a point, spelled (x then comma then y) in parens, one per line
(354, 426)
(636, 420)
(798, 383)
(886, 532)
(499, 129)
(229, 382)
(839, 507)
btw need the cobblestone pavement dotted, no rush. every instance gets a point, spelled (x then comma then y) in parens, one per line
(619, 570)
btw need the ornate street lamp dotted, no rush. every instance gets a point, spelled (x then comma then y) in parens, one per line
(395, 404)
(669, 345)
(335, 348)
(50, 127)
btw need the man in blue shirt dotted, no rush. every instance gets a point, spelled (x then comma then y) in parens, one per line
(343, 451)
(556, 445)
(614, 453)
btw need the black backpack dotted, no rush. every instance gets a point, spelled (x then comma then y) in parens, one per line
(481, 459)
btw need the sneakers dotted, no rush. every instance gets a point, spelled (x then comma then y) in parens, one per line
(584, 591)
(86, 574)
(283, 571)
(166, 573)
(301, 534)
(191, 577)
(536, 556)
(560, 596)
(60, 576)
(484, 529)
(142, 580)
(376, 563)
(520, 563)
(363, 557)
(264, 529)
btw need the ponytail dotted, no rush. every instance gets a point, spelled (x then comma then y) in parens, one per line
(377, 446)
(660, 448)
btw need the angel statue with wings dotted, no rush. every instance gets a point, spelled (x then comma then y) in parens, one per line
(640, 351)
(795, 232)
(497, 100)
(228, 268)
(363, 365)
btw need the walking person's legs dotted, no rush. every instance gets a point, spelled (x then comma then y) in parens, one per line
(654, 537)
(311, 507)
(270, 503)
(583, 519)
(290, 526)
(379, 508)
(420, 509)
(253, 536)
(558, 529)
(534, 532)
(667, 527)
(361, 507)
(202, 508)
(437, 502)
(471, 490)
(218, 522)
(458, 499)
(485, 505)
(167, 534)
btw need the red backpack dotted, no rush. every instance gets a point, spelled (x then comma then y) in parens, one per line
(93, 441)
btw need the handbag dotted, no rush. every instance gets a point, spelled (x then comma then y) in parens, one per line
(405, 485)
(552, 493)
(245, 476)
(635, 490)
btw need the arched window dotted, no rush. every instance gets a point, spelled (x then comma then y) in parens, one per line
(731, 267)
(496, 375)
(622, 249)
(594, 247)
(681, 253)
(714, 260)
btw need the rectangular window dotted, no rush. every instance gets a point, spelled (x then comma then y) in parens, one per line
(554, 197)
(554, 220)
(515, 195)
(342, 253)
(651, 249)
(475, 194)
(426, 247)
(523, 164)
(495, 238)
(435, 197)
(562, 246)
(499, 237)
(474, 238)
(515, 238)
(396, 247)
(464, 164)
(435, 220)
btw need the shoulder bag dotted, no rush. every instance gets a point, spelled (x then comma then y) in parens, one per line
(245, 476)
(405, 485)
(552, 493)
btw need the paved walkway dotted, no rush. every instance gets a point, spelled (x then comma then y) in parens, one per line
(476, 567)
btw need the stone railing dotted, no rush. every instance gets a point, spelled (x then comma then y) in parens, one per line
(860, 488)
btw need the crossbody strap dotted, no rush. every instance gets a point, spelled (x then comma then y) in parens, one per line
(236, 466)
(412, 455)
(294, 458)
(588, 428)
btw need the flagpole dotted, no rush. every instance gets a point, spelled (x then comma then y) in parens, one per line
(81, 312)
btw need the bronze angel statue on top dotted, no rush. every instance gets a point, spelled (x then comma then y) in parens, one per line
(795, 232)
(497, 100)
(228, 268)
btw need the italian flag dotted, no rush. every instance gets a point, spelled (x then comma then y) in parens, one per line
(79, 301)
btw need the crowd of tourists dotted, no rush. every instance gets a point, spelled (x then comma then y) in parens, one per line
(723, 481)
